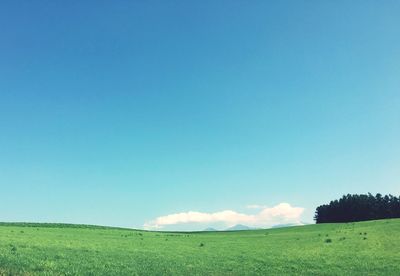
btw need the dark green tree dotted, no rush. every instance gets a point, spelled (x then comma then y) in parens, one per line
(359, 208)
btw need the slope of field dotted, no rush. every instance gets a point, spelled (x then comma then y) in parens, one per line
(338, 249)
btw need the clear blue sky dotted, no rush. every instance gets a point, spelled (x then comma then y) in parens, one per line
(117, 112)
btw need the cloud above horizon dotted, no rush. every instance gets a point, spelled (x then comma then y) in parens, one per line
(267, 216)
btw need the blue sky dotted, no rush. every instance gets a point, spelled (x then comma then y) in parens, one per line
(120, 112)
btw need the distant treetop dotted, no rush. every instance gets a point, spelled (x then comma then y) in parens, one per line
(359, 208)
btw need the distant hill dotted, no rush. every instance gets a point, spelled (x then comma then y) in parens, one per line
(238, 227)
(288, 225)
(210, 229)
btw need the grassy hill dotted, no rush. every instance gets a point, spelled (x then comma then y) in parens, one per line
(327, 249)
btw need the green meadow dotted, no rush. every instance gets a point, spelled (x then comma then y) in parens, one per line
(362, 248)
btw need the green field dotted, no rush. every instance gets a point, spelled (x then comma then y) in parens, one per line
(325, 249)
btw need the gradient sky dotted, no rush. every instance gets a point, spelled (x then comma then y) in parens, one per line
(118, 112)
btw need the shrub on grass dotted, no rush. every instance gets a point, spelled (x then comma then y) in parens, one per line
(328, 240)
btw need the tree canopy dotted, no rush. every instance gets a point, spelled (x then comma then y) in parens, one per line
(359, 208)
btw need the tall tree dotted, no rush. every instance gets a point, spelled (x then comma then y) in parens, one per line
(359, 208)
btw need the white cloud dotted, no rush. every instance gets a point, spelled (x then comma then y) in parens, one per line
(267, 216)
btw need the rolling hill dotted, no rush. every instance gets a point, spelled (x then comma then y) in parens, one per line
(331, 249)
(238, 227)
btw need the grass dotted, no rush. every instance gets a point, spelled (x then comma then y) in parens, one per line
(363, 248)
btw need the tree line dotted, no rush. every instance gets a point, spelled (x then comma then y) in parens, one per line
(359, 208)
